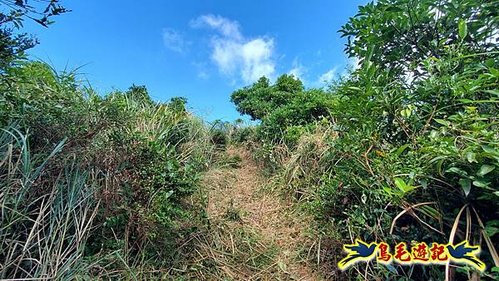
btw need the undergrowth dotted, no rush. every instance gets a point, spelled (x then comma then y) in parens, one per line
(402, 148)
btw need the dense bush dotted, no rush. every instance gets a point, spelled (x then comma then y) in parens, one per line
(404, 148)
(433, 137)
(412, 131)
(261, 98)
(285, 109)
(143, 159)
(424, 126)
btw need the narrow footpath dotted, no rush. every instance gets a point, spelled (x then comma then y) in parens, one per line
(256, 234)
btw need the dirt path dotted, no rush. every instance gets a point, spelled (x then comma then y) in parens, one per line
(255, 234)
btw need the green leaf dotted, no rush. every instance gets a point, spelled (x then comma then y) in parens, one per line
(430, 211)
(491, 230)
(465, 185)
(494, 72)
(443, 122)
(466, 101)
(456, 170)
(490, 62)
(392, 8)
(401, 149)
(471, 157)
(463, 29)
(389, 190)
(402, 185)
(485, 169)
(406, 112)
(480, 183)
(493, 92)
(433, 134)
(489, 149)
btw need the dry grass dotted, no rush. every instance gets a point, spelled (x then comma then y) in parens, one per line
(301, 167)
(255, 234)
(44, 223)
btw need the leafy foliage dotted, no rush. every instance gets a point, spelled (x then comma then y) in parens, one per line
(412, 131)
(144, 159)
(262, 98)
(286, 109)
(406, 147)
(12, 15)
(400, 35)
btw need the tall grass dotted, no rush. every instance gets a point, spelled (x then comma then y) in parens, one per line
(44, 221)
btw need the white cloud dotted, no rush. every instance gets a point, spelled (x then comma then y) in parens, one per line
(174, 40)
(297, 70)
(234, 54)
(257, 57)
(203, 75)
(226, 54)
(327, 77)
(225, 26)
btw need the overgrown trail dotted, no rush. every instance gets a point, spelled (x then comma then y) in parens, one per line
(255, 233)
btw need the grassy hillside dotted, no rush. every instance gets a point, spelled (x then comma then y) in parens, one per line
(93, 184)
(403, 148)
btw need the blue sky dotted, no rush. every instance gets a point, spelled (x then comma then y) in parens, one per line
(202, 50)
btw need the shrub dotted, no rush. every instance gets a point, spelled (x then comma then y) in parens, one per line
(143, 157)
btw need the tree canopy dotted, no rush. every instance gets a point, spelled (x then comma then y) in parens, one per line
(400, 34)
(261, 98)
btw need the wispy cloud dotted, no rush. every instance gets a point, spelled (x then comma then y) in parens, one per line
(327, 77)
(203, 75)
(201, 70)
(223, 25)
(174, 40)
(233, 53)
(297, 70)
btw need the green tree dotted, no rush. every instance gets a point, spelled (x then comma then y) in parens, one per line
(286, 110)
(400, 34)
(13, 43)
(418, 123)
(261, 98)
(297, 116)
